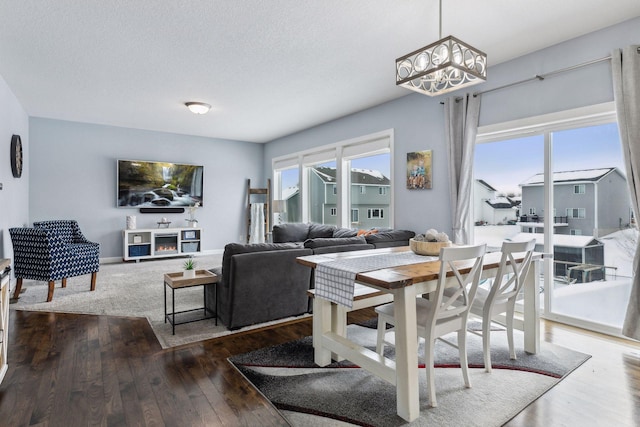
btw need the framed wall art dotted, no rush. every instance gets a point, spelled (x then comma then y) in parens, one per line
(419, 170)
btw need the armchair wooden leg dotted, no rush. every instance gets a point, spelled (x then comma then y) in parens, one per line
(94, 275)
(64, 282)
(50, 294)
(16, 293)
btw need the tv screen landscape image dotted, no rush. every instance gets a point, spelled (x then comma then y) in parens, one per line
(159, 184)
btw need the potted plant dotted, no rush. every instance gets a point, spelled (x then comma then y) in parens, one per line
(189, 268)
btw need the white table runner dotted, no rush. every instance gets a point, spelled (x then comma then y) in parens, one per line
(334, 280)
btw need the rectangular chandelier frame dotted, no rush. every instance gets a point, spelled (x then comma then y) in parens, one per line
(444, 66)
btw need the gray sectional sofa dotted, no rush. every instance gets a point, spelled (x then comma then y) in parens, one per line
(263, 282)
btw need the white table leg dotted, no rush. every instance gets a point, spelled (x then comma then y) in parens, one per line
(321, 324)
(338, 324)
(408, 398)
(532, 309)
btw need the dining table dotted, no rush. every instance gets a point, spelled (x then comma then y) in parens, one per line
(405, 283)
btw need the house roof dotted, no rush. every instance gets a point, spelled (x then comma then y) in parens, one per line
(268, 68)
(585, 175)
(485, 184)
(564, 240)
(358, 176)
(500, 203)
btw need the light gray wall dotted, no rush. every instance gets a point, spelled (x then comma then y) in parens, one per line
(73, 176)
(417, 120)
(14, 196)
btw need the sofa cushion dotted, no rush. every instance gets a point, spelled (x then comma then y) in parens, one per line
(320, 231)
(290, 232)
(232, 249)
(334, 241)
(342, 248)
(344, 232)
(390, 236)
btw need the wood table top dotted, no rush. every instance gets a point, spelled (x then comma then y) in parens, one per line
(203, 277)
(401, 276)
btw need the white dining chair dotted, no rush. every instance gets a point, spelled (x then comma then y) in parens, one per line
(460, 270)
(502, 295)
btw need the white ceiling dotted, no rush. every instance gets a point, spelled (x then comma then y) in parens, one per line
(268, 67)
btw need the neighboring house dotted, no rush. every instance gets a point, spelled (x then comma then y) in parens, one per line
(576, 258)
(370, 198)
(490, 208)
(592, 202)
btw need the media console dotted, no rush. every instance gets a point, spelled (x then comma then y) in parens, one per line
(160, 243)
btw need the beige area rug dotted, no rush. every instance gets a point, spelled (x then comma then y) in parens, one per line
(133, 290)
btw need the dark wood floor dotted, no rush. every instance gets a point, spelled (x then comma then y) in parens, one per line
(77, 370)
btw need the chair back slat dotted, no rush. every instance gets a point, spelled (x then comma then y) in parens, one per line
(511, 274)
(460, 270)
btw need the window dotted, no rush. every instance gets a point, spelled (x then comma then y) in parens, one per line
(286, 188)
(355, 216)
(578, 189)
(576, 213)
(334, 180)
(375, 213)
(532, 211)
(576, 232)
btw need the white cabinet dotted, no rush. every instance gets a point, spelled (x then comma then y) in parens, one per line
(160, 242)
(4, 315)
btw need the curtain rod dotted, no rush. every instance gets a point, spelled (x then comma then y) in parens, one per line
(540, 76)
(545, 75)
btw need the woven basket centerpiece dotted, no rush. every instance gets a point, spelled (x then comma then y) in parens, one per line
(427, 248)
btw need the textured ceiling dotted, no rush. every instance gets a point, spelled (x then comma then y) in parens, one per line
(268, 67)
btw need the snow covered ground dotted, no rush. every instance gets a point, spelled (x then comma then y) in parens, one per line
(603, 302)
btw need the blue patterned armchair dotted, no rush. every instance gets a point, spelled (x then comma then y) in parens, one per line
(53, 250)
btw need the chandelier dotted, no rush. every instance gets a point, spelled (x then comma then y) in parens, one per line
(444, 66)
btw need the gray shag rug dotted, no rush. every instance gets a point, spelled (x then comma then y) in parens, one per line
(343, 394)
(133, 290)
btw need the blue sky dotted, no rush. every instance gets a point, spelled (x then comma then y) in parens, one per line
(505, 164)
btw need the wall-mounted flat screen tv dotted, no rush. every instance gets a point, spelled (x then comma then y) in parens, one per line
(158, 184)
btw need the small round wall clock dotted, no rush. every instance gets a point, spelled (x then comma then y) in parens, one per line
(16, 156)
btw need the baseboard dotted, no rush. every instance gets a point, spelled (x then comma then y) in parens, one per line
(116, 260)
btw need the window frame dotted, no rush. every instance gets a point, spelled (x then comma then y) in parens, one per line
(342, 152)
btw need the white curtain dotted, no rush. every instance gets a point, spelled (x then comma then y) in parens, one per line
(625, 67)
(461, 127)
(256, 234)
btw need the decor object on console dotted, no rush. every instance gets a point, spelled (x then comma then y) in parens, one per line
(53, 250)
(131, 222)
(443, 66)
(160, 243)
(429, 243)
(192, 221)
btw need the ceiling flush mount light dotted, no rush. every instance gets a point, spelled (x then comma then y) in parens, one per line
(198, 107)
(444, 66)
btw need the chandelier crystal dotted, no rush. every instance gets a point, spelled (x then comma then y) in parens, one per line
(444, 66)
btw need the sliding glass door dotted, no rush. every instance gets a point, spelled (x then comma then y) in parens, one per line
(564, 185)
